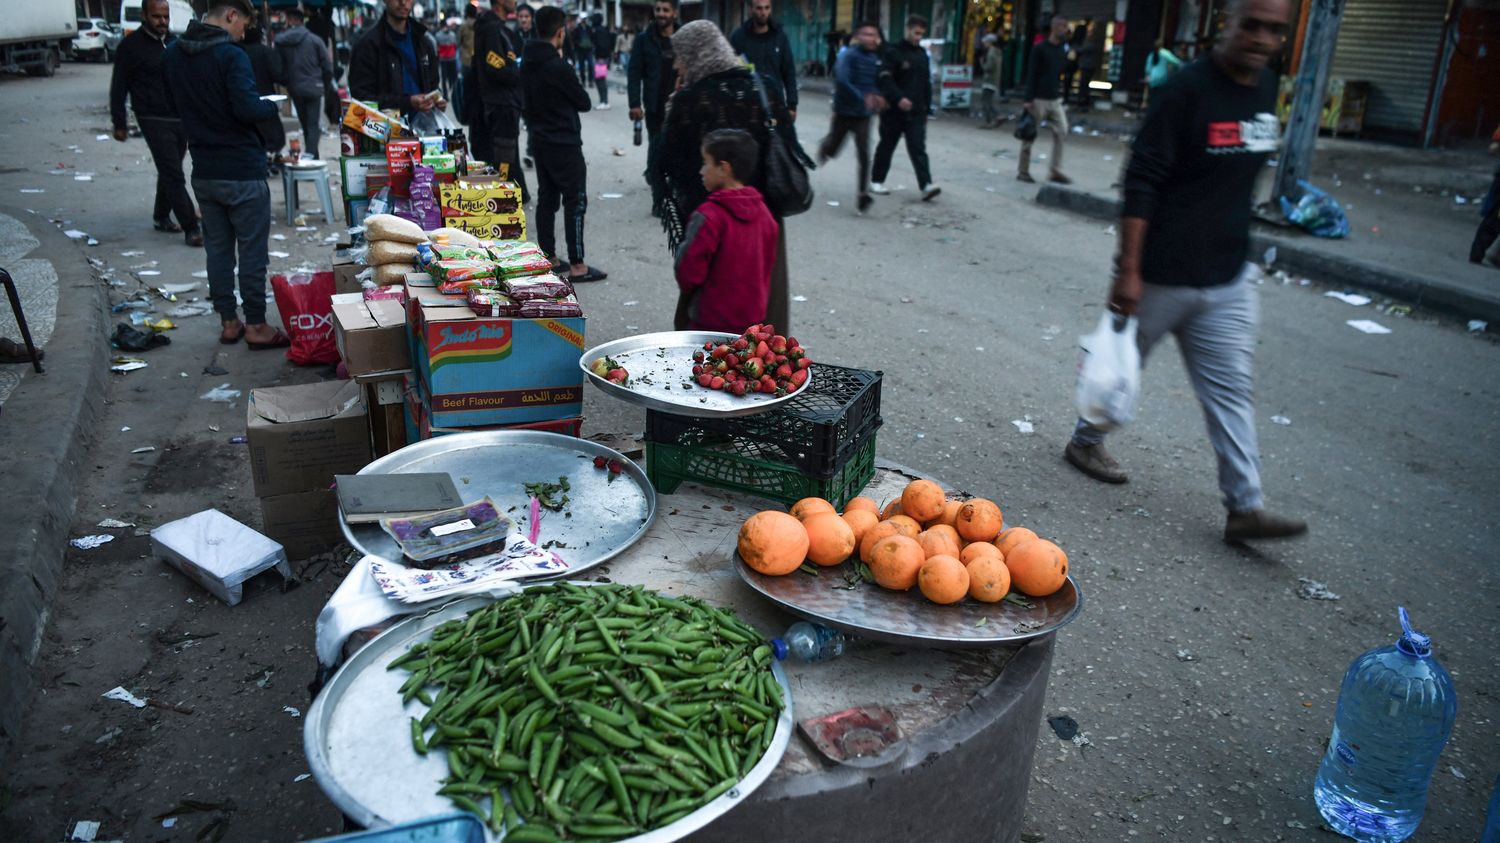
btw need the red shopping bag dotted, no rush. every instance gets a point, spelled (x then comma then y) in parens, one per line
(305, 300)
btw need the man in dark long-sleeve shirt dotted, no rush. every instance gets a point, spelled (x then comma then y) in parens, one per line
(1043, 97)
(764, 43)
(138, 74)
(1184, 235)
(906, 83)
(856, 95)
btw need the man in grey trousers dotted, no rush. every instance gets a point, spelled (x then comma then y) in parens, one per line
(1184, 235)
(308, 68)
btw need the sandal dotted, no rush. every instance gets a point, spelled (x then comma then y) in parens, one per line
(226, 339)
(167, 226)
(591, 275)
(281, 340)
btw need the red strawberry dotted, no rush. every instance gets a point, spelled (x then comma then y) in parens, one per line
(708, 346)
(778, 344)
(768, 386)
(716, 383)
(697, 370)
(799, 378)
(697, 357)
(780, 358)
(804, 362)
(741, 344)
(791, 342)
(615, 466)
(737, 388)
(705, 379)
(722, 367)
(753, 368)
(598, 462)
(761, 349)
(783, 371)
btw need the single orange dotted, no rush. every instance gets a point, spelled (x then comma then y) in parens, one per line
(1007, 540)
(773, 543)
(862, 502)
(895, 560)
(1037, 567)
(974, 550)
(936, 542)
(943, 579)
(979, 520)
(923, 500)
(989, 579)
(948, 516)
(860, 521)
(909, 526)
(882, 529)
(807, 506)
(830, 538)
(891, 509)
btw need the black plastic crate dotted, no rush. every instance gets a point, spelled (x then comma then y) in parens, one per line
(816, 432)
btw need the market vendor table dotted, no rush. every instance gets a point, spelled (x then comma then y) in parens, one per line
(970, 718)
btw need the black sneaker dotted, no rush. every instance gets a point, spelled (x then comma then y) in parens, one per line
(1259, 524)
(865, 201)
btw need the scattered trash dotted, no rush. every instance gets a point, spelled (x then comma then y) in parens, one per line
(146, 450)
(84, 830)
(91, 542)
(279, 254)
(907, 299)
(115, 524)
(126, 428)
(1315, 212)
(215, 370)
(186, 311)
(1065, 727)
(32, 190)
(169, 822)
(201, 273)
(1296, 824)
(1459, 200)
(618, 151)
(833, 203)
(127, 364)
(1457, 773)
(149, 272)
(133, 253)
(1313, 590)
(1110, 230)
(109, 737)
(611, 196)
(959, 419)
(1109, 158)
(129, 338)
(75, 234)
(1023, 426)
(1185, 656)
(1478, 325)
(1348, 298)
(119, 693)
(302, 778)
(291, 710)
(799, 298)
(631, 303)
(177, 289)
(221, 394)
(307, 228)
(1270, 256)
(93, 241)
(278, 237)
(1280, 420)
(1367, 326)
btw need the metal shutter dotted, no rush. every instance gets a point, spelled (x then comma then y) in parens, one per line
(1393, 45)
(1099, 10)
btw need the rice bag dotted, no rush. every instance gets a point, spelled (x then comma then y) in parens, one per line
(457, 237)
(390, 251)
(550, 308)
(492, 303)
(383, 275)
(533, 287)
(390, 227)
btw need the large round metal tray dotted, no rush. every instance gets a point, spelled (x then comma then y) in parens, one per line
(607, 517)
(661, 376)
(357, 739)
(906, 617)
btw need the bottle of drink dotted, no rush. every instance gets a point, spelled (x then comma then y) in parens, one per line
(1395, 711)
(809, 642)
(294, 148)
(637, 133)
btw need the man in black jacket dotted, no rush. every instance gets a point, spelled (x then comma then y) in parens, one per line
(905, 82)
(1184, 235)
(651, 77)
(764, 44)
(554, 98)
(138, 73)
(395, 65)
(497, 66)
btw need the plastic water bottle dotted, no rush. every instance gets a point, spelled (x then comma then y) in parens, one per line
(637, 133)
(809, 642)
(1395, 712)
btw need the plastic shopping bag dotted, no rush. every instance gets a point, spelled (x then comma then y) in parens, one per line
(1109, 373)
(1316, 212)
(305, 300)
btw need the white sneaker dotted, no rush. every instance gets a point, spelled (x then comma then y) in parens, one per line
(879, 189)
(930, 191)
(603, 106)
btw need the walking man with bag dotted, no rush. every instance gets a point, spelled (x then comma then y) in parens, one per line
(1184, 236)
(1043, 99)
(906, 82)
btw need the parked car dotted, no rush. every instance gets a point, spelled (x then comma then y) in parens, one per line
(95, 40)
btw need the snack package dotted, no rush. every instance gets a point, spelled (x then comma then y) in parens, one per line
(424, 204)
(452, 535)
(523, 264)
(534, 287)
(491, 303)
(461, 253)
(550, 308)
(368, 121)
(395, 292)
(400, 156)
(459, 276)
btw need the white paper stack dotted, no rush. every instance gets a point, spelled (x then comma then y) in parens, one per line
(218, 552)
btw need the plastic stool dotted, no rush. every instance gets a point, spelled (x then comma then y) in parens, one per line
(317, 173)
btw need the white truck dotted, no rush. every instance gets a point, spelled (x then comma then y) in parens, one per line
(34, 34)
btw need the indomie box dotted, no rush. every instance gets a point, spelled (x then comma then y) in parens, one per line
(495, 227)
(479, 371)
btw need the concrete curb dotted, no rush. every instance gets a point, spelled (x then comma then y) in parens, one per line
(45, 431)
(1422, 290)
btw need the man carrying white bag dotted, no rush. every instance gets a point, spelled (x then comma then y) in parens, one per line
(1181, 269)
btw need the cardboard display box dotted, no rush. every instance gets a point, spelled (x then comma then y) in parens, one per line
(491, 227)
(479, 197)
(363, 175)
(300, 436)
(305, 523)
(371, 335)
(345, 268)
(386, 398)
(481, 371)
(418, 420)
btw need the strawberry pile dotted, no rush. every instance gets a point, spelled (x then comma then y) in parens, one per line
(759, 361)
(607, 368)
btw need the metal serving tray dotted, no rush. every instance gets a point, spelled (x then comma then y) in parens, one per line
(661, 376)
(606, 517)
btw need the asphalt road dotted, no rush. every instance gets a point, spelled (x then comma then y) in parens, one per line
(1204, 686)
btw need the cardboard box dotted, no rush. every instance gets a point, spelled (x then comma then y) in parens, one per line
(418, 420)
(305, 523)
(492, 227)
(480, 371)
(387, 430)
(479, 197)
(363, 175)
(345, 268)
(371, 335)
(300, 436)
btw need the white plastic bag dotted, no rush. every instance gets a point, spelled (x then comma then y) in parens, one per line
(1109, 373)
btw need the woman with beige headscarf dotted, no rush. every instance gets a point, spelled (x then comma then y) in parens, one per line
(718, 92)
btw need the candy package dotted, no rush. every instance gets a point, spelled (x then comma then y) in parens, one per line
(535, 287)
(492, 303)
(524, 263)
(458, 276)
(550, 308)
(452, 535)
(461, 253)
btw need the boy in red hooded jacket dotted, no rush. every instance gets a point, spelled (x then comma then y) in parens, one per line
(724, 263)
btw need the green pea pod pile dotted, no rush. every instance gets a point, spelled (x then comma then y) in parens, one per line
(601, 712)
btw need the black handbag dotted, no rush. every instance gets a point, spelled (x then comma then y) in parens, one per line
(1026, 127)
(788, 190)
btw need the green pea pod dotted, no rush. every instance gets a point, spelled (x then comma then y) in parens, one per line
(611, 735)
(549, 766)
(599, 712)
(463, 788)
(497, 810)
(611, 830)
(661, 750)
(588, 743)
(665, 715)
(469, 805)
(534, 673)
(674, 783)
(532, 833)
(534, 764)
(617, 785)
(525, 797)
(417, 742)
(699, 750)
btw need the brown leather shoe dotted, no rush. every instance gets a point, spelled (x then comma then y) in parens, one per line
(1259, 524)
(1058, 178)
(1094, 461)
(193, 238)
(1025, 177)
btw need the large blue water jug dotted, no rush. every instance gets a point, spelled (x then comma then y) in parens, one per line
(1395, 712)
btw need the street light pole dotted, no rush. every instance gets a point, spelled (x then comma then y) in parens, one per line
(1307, 102)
